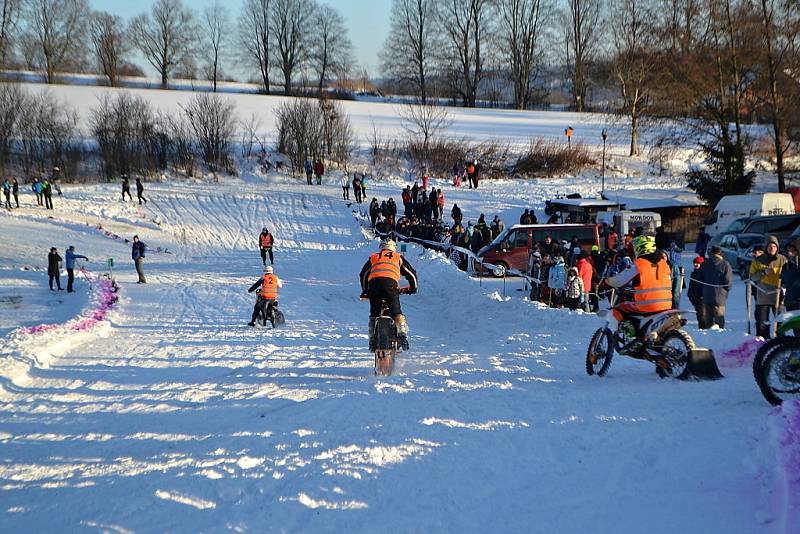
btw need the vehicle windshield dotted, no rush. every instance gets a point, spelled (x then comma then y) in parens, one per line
(737, 226)
(748, 241)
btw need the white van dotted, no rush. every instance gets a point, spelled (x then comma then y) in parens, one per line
(734, 207)
(625, 220)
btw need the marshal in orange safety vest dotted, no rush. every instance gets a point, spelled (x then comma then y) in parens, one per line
(652, 282)
(265, 240)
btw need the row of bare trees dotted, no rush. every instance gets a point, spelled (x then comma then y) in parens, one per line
(283, 38)
(124, 134)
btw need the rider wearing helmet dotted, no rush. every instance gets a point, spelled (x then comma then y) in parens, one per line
(265, 242)
(650, 275)
(268, 295)
(380, 279)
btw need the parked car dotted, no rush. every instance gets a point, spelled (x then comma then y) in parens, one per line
(733, 207)
(781, 226)
(509, 250)
(735, 248)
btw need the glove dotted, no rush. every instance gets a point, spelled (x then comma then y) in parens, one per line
(411, 290)
(363, 295)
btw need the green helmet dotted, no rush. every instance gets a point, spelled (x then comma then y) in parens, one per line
(643, 245)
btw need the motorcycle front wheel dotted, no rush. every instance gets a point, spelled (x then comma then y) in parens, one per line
(779, 375)
(600, 353)
(676, 346)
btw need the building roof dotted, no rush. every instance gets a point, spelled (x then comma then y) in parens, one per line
(642, 199)
(585, 202)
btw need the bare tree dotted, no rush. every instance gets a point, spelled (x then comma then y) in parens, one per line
(408, 52)
(465, 23)
(780, 29)
(331, 49)
(633, 62)
(55, 30)
(299, 131)
(216, 26)
(110, 42)
(255, 37)
(581, 21)
(164, 36)
(12, 104)
(522, 34)
(424, 122)
(9, 17)
(290, 27)
(213, 121)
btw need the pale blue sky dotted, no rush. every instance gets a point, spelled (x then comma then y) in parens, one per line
(368, 21)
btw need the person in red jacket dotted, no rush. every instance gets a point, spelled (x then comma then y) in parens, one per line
(319, 170)
(586, 272)
(265, 243)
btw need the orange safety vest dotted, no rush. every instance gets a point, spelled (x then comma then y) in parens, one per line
(265, 240)
(385, 264)
(653, 293)
(471, 169)
(269, 287)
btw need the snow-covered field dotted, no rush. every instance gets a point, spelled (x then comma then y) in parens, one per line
(173, 415)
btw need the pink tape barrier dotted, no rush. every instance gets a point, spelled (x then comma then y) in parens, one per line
(108, 297)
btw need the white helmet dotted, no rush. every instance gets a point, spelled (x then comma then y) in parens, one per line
(268, 269)
(389, 245)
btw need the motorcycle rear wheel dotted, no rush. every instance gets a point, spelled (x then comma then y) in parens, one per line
(600, 352)
(677, 347)
(778, 378)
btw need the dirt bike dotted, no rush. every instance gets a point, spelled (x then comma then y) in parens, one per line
(657, 338)
(776, 366)
(387, 346)
(270, 313)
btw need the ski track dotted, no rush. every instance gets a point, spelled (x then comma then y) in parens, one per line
(181, 418)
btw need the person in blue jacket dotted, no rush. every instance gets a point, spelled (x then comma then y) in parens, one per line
(71, 257)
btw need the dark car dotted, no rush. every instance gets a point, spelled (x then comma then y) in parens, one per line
(737, 250)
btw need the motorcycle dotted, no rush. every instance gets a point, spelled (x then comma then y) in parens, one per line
(776, 366)
(270, 313)
(387, 346)
(658, 338)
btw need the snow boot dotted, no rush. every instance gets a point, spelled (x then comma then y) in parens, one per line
(373, 343)
(402, 331)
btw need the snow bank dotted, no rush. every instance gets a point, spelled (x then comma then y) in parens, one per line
(786, 429)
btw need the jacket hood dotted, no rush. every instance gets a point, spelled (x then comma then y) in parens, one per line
(572, 270)
(772, 239)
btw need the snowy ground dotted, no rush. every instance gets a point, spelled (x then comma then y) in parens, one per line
(176, 416)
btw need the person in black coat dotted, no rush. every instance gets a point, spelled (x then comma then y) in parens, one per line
(126, 188)
(695, 291)
(54, 268)
(717, 277)
(139, 191)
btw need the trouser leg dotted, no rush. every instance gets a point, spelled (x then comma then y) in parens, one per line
(263, 256)
(762, 320)
(70, 279)
(271, 259)
(719, 316)
(140, 270)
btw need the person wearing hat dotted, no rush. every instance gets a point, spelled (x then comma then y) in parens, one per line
(71, 257)
(380, 280)
(695, 291)
(268, 295)
(765, 272)
(717, 277)
(54, 178)
(54, 268)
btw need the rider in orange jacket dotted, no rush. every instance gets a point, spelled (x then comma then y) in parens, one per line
(380, 279)
(651, 277)
(268, 294)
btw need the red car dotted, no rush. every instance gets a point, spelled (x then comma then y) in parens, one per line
(509, 250)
